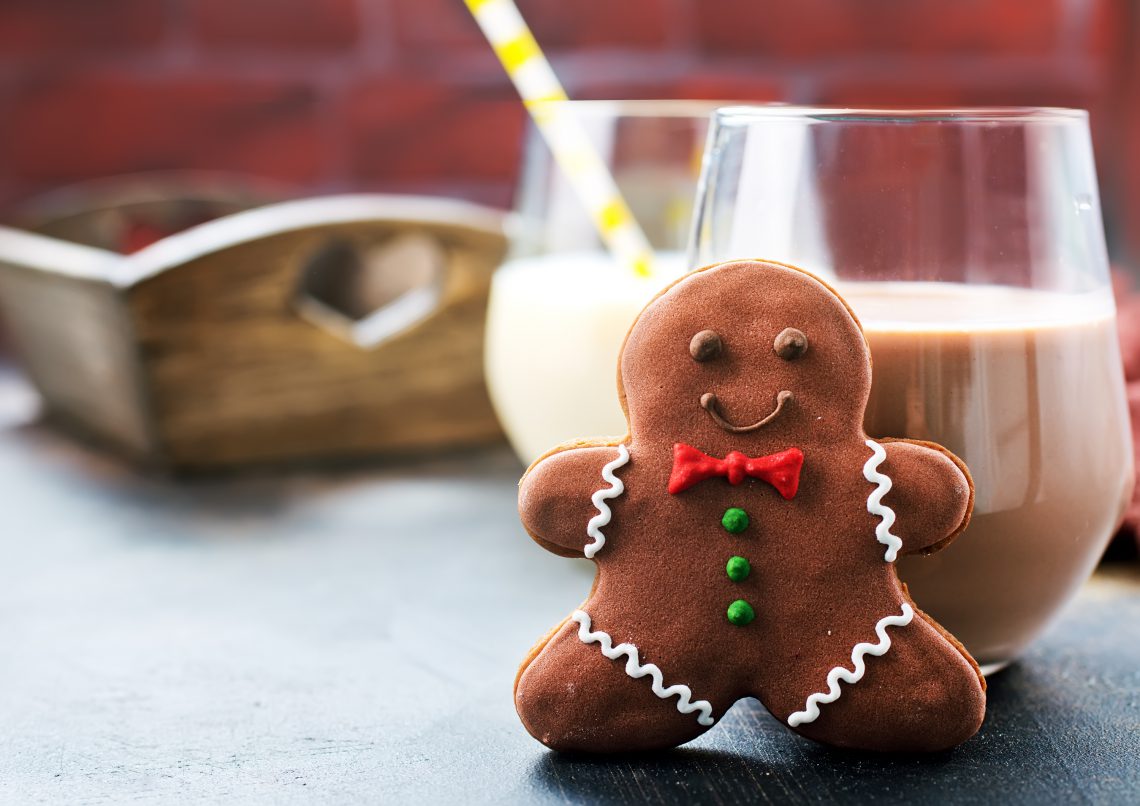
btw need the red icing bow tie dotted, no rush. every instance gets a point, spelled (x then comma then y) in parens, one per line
(781, 470)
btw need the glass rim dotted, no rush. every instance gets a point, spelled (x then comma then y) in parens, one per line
(743, 114)
(649, 108)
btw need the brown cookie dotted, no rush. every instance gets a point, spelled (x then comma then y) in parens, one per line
(745, 534)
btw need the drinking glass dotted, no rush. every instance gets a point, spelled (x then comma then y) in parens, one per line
(969, 242)
(561, 305)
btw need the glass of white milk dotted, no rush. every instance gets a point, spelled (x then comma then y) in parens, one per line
(561, 305)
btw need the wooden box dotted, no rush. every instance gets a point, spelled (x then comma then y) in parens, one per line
(319, 329)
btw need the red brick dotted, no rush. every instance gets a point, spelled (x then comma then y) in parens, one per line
(30, 28)
(614, 76)
(729, 87)
(282, 25)
(1108, 30)
(1122, 168)
(406, 130)
(939, 89)
(492, 193)
(82, 125)
(10, 196)
(825, 28)
(556, 24)
(412, 129)
(708, 87)
(435, 24)
(598, 23)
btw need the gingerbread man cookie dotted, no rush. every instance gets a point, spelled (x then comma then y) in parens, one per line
(745, 534)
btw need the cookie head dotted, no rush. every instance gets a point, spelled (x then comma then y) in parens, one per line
(746, 352)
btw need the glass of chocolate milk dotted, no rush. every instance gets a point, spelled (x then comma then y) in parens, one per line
(970, 244)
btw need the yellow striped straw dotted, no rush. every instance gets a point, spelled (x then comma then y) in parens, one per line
(535, 81)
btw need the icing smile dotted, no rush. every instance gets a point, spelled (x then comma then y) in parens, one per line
(710, 404)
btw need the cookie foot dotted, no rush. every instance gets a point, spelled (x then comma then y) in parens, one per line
(571, 697)
(900, 705)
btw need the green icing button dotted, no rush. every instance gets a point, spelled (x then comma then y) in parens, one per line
(735, 520)
(738, 569)
(740, 613)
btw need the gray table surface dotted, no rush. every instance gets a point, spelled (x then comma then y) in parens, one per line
(352, 637)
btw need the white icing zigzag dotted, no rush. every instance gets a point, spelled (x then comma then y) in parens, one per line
(616, 488)
(635, 669)
(875, 503)
(811, 708)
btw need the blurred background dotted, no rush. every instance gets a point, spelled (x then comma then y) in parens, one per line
(317, 96)
(186, 636)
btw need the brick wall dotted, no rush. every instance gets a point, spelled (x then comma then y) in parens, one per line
(404, 95)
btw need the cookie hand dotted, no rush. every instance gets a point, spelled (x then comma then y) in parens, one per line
(565, 498)
(931, 494)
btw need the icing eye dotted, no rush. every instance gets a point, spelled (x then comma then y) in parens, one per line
(790, 344)
(705, 346)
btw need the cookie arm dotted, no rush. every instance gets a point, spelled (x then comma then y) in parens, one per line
(932, 494)
(565, 497)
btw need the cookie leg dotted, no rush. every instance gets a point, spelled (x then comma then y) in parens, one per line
(571, 697)
(923, 695)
